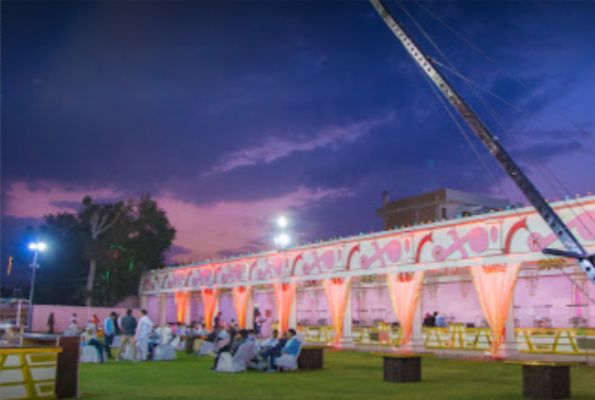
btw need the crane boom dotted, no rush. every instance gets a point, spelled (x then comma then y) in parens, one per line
(574, 247)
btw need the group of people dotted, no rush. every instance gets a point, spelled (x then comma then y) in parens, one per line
(434, 320)
(266, 354)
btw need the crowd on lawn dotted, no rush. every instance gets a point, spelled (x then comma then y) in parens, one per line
(234, 349)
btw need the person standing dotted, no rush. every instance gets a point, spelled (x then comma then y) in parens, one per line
(217, 322)
(51, 324)
(145, 326)
(72, 329)
(129, 331)
(109, 328)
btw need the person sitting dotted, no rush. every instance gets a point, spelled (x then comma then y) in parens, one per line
(276, 351)
(166, 334)
(212, 337)
(89, 338)
(153, 342)
(427, 320)
(233, 347)
(440, 321)
(268, 343)
(433, 319)
(290, 352)
(202, 331)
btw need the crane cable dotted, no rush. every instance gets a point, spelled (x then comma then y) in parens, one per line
(427, 36)
(473, 146)
(517, 80)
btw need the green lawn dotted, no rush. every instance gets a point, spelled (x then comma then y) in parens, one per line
(347, 375)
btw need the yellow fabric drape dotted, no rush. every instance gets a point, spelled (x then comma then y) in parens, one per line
(337, 294)
(182, 300)
(405, 288)
(495, 288)
(284, 294)
(209, 300)
(240, 302)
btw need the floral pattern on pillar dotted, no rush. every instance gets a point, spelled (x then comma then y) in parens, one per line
(240, 302)
(209, 300)
(284, 294)
(182, 299)
(404, 289)
(337, 291)
(495, 288)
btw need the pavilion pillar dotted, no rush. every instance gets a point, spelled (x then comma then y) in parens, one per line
(293, 313)
(188, 309)
(162, 307)
(346, 340)
(250, 310)
(144, 301)
(417, 343)
(509, 348)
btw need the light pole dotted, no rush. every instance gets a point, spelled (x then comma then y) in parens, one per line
(36, 247)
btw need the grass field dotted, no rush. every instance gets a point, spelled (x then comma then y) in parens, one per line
(347, 375)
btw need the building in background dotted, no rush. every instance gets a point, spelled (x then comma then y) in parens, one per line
(438, 205)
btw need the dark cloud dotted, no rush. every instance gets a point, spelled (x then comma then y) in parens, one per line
(212, 102)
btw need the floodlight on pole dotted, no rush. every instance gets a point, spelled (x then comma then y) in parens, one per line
(36, 248)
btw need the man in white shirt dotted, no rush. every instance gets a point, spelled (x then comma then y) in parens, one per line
(72, 329)
(143, 331)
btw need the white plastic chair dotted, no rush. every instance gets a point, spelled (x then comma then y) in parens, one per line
(164, 352)
(89, 354)
(239, 362)
(206, 349)
(287, 361)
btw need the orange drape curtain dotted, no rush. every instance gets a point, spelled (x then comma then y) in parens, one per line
(209, 300)
(495, 288)
(337, 291)
(182, 301)
(405, 288)
(284, 293)
(240, 302)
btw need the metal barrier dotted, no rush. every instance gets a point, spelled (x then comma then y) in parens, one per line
(459, 337)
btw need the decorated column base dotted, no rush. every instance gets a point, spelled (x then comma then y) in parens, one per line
(508, 351)
(345, 343)
(414, 346)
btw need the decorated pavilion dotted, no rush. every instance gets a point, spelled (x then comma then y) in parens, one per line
(485, 274)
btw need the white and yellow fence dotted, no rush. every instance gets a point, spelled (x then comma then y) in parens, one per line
(28, 373)
(459, 337)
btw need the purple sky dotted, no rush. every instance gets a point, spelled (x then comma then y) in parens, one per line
(232, 113)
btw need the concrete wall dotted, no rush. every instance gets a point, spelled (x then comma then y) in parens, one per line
(62, 315)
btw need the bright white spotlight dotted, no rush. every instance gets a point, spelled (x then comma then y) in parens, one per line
(282, 240)
(282, 222)
(38, 246)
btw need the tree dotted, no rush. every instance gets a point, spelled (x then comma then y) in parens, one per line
(109, 245)
(97, 218)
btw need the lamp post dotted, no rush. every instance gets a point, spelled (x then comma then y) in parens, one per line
(36, 248)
